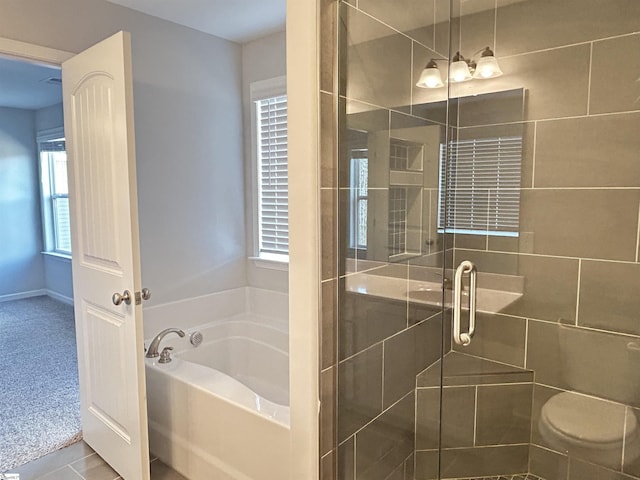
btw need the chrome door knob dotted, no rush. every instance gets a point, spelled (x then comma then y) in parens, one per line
(117, 299)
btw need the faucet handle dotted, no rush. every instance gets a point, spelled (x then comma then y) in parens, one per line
(165, 355)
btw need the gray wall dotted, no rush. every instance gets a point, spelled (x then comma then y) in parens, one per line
(21, 264)
(58, 278)
(262, 59)
(187, 90)
(50, 117)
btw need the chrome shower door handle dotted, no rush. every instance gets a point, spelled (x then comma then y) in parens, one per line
(466, 266)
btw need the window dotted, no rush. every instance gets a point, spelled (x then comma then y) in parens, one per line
(359, 176)
(482, 192)
(55, 196)
(272, 173)
(397, 220)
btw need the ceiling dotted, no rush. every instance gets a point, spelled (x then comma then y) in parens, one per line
(24, 85)
(237, 20)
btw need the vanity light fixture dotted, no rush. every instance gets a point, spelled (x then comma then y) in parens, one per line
(487, 66)
(430, 76)
(461, 69)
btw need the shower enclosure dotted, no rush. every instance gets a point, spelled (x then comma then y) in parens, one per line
(481, 304)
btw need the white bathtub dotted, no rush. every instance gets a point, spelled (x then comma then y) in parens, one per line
(221, 411)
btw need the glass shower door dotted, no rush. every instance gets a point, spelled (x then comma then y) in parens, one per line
(486, 391)
(539, 191)
(503, 133)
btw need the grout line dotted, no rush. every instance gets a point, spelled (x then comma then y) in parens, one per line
(571, 45)
(345, 440)
(526, 341)
(588, 395)
(411, 392)
(546, 255)
(531, 120)
(589, 82)
(475, 416)
(578, 292)
(533, 160)
(350, 357)
(376, 19)
(325, 370)
(75, 471)
(531, 426)
(570, 117)
(589, 329)
(328, 453)
(435, 16)
(400, 112)
(497, 385)
(498, 445)
(355, 460)
(496, 361)
(415, 421)
(382, 380)
(495, 25)
(415, 325)
(624, 437)
(408, 277)
(638, 236)
(411, 82)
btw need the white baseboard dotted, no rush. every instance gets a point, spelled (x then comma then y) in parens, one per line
(59, 297)
(18, 296)
(37, 293)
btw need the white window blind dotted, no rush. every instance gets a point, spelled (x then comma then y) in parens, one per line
(271, 114)
(359, 177)
(56, 194)
(480, 186)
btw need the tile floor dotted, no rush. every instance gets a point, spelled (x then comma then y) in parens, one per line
(80, 462)
(509, 477)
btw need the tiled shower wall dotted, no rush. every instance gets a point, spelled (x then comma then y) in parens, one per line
(578, 248)
(577, 325)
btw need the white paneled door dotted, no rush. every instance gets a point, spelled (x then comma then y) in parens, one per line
(98, 107)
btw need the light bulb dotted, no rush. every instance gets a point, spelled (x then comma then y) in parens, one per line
(487, 66)
(430, 77)
(459, 71)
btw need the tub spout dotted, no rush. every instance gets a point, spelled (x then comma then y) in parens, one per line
(155, 343)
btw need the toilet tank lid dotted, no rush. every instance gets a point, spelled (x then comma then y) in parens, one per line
(588, 419)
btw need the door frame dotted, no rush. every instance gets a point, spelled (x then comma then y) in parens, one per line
(303, 93)
(32, 53)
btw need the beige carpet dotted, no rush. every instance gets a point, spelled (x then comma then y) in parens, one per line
(39, 393)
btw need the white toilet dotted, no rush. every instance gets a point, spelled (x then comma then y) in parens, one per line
(587, 427)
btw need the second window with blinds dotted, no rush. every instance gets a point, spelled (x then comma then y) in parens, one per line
(269, 126)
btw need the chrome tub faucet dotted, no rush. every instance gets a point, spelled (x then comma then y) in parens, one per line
(152, 352)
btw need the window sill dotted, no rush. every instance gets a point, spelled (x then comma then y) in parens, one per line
(272, 263)
(61, 256)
